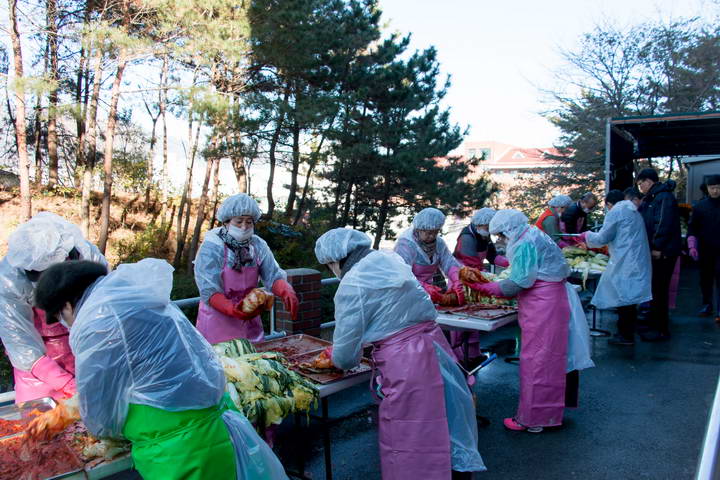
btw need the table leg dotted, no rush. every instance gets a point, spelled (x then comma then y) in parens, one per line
(597, 332)
(326, 439)
(301, 451)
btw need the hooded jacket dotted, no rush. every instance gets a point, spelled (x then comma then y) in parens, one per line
(659, 210)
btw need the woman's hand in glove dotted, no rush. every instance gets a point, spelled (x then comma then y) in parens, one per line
(491, 289)
(47, 425)
(284, 290)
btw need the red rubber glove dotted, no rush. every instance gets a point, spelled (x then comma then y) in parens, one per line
(48, 371)
(284, 290)
(226, 306)
(434, 292)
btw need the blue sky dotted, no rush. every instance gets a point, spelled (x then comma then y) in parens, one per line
(500, 52)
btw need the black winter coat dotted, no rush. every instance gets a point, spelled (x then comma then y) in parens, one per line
(575, 219)
(705, 223)
(660, 212)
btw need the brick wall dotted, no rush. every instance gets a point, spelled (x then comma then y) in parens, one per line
(306, 283)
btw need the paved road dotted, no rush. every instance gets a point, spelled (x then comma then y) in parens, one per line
(642, 414)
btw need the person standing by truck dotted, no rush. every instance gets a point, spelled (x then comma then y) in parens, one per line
(704, 245)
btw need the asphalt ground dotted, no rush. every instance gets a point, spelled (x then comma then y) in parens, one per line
(642, 414)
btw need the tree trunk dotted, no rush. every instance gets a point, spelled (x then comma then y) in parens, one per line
(295, 169)
(107, 160)
(163, 108)
(214, 195)
(20, 128)
(38, 142)
(91, 147)
(273, 147)
(384, 207)
(151, 156)
(210, 165)
(186, 198)
(347, 204)
(81, 104)
(52, 137)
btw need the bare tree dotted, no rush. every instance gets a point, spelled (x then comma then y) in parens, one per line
(20, 132)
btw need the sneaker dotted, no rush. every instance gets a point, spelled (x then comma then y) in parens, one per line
(655, 336)
(511, 424)
(706, 310)
(620, 340)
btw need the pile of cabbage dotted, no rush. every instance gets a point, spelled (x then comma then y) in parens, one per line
(262, 386)
(585, 262)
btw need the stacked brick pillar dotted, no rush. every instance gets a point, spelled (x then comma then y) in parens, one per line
(306, 283)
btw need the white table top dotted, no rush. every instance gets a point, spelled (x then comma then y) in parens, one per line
(458, 321)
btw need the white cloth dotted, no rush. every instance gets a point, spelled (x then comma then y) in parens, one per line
(377, 298)
(21, 339)
(336, 244)
(211, 256)
(578, 357)
(627, 278)
(411, 251)
(239, 205)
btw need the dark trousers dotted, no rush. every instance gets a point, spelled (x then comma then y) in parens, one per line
(710, 275)
(662, 271)
(627, 318)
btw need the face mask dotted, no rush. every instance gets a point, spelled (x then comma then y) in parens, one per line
(240, 234)
(335, 268)
(483, 233)
(587, 210)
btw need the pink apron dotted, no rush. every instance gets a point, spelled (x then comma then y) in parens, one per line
(543, 313)
(425, 273)
(414, 436)
(674, 281)
(217, 327)
(57, 346)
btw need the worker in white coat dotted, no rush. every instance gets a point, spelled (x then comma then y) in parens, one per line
(627, 280)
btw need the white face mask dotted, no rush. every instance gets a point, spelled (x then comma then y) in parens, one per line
(335, 268)
(240, 234)
(483, 232)
(586, 210)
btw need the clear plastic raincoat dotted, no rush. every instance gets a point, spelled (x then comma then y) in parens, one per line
(42, 241)
(627, 279)
(133, 346)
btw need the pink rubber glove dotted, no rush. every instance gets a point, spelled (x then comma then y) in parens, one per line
(47, 370)
(284, 290)
(454, 276)
(692, 245)
(491, 289)
(583, 237)
(501, 261)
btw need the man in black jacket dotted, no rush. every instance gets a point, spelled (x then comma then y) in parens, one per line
(704, 244)
(574, 218)
(662, 222)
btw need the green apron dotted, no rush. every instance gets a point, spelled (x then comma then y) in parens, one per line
(191, 444)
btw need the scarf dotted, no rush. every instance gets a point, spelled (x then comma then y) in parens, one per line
(428, 248)
(243, 256)
(353, 257)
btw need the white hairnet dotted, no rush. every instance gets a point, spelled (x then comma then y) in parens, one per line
(560, 201)
(508, 222)
(429, 219)
(336, 244)
(238, 205)
(483, 216)
(43, 240)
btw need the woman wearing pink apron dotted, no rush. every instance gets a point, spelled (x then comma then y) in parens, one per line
(229, 264)
(38, 347)
(472, 249)
(427, 424)
(546, 324)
